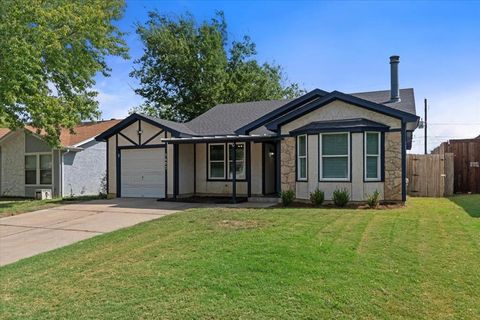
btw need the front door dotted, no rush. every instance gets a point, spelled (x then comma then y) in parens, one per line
(269, 167)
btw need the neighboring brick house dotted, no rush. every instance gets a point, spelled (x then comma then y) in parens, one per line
(325, 140)
(76, 168)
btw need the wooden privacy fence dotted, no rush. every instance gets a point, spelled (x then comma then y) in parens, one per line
(430, 175)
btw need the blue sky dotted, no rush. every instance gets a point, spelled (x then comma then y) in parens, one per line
(342, 46)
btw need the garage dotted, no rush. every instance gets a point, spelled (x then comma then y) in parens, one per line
(143, 172)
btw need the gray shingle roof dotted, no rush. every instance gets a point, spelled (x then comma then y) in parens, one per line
(406, 103)
(226, 118)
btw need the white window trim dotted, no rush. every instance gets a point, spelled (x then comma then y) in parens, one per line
(37, 175)
(215, 161)
(301, 157)
(243, 176)
(321, 156)
(379, 156)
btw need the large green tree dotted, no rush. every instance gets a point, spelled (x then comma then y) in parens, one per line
(189, 67)
(50, 52)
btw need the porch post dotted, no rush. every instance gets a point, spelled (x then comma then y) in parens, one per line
(248, 164)
(234, 172)
(278, 167)
(194, 169)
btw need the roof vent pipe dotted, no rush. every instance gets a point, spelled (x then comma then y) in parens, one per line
(394, 89)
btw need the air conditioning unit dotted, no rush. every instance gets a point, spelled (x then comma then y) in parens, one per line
(42, 194)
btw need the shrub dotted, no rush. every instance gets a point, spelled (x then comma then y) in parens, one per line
(317, 197)
(287, 197)
(341, 197)
(372, 200)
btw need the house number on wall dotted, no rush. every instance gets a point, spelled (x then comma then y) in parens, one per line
(474, 164)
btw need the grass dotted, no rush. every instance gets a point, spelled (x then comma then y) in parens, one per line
(421, 261)
(13, 206)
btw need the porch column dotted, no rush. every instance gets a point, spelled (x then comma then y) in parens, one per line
(194, 169)
(248, 164)
(234, 172)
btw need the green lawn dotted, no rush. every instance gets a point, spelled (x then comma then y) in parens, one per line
(422, 261)
(13, 206)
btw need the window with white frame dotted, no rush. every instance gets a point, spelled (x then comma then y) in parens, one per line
(216, 161)
(239, 160)
(335, 156)
(372, 156)
(302, 157)
(38, 169)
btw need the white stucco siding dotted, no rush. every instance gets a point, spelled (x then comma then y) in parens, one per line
(149, 131)
(13, 165)
(185, 170)
(358, 189)
(84, 172)
(338, 110)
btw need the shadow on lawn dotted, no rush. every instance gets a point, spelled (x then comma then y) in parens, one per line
(470, 203)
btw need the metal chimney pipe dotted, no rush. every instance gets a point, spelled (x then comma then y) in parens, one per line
(394, 88)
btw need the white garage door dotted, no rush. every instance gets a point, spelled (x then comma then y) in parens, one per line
(143, 173)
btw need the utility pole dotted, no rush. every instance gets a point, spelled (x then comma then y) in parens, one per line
(425, 126)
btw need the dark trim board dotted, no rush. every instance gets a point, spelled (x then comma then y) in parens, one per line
(128, 139)
(150, 146)
(404, 162)
(336, 95)
(308, 97)
(153, 137)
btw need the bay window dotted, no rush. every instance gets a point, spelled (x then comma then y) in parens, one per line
(335, 156)
(372, 156)
(302, 157)
(38, 169)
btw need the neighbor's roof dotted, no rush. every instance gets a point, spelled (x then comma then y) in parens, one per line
(82, 132)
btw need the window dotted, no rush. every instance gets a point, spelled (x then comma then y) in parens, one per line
(302, 157)
(38, 169)
(334, 156)
(372, 156)
(45, 169)
(31, 169)
(216, 161)
(240, 161)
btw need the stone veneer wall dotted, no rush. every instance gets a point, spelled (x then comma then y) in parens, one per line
(393, 166)
(287, 158)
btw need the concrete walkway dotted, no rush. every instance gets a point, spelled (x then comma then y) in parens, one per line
(29, 234)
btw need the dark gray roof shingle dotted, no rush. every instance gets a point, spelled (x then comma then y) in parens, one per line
(406, 103)
(226, 118)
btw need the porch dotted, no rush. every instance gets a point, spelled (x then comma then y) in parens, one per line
(229, 168)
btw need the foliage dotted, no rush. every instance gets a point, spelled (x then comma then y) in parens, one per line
(317, 197)
(372, 200)
(341, 197)
(287, 197)
(50, 52)
(188, 68)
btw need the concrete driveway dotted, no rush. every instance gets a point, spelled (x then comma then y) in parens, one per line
(31, 233)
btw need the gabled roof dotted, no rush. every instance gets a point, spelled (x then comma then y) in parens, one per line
(336, 95)
(177, 129)
(352, 125)
(83, 132)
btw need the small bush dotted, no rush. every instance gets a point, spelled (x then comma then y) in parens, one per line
(287, 197)
(341, 197)
(317, 197)
(372, 200)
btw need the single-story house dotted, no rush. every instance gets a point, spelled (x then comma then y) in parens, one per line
(77, 167)
(325, 140)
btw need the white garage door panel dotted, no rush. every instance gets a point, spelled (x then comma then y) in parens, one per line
(143, 173)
